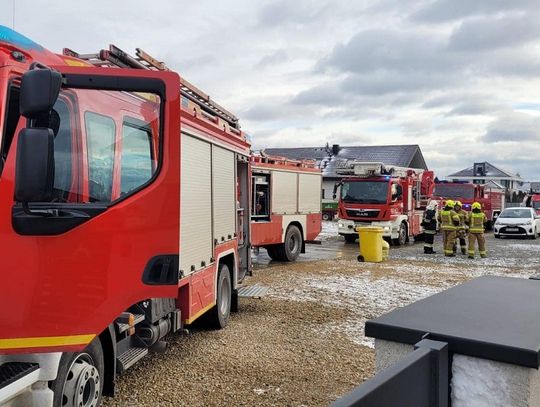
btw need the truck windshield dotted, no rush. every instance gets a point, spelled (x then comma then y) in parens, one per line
(464, 191)
(369, 192)
(536, 205)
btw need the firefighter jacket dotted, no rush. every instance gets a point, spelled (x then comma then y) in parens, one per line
(463, 219)
(449, 219)
(477, 220)
(430, 219)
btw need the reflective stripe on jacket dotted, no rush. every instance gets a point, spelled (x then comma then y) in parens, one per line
(463, 218)
(476, 222)
(449, 219)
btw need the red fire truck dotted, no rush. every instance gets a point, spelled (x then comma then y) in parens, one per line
(492, 200)
(393, 198)
(125, 199)
(286, 205)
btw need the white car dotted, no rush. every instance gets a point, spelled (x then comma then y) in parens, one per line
(517, 222)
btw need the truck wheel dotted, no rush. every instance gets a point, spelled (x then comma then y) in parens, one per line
(290, 249)
(350, 238)
(402, 237)
(271, 250)
(219, 316)
(325, 216)
(80, 378)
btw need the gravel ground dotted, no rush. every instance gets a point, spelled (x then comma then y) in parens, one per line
(303, 344)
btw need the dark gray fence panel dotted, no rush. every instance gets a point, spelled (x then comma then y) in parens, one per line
(418, 380)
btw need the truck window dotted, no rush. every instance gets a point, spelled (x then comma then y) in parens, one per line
(137, 163)
(100, 139)
(63, 152)
(12, 119)
(365, 192)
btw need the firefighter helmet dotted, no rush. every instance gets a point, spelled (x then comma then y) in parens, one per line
(458, 203)
(476, 205)
(450, 203)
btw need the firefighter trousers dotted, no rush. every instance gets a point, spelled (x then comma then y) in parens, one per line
(461, 234)
(473, 237)
(429, 237)
(449, 240)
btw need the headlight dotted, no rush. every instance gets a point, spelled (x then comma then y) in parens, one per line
(341, 225)
(386, 228)
(529, 222)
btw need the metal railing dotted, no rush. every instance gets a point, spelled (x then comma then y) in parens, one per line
(418, 380)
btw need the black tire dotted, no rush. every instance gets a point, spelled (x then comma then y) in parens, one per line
(271, 250)
(360, 258)
(326, 216)
(80, 378)
(218, 317)
(290, 249)
(350, 238)
(402, 239)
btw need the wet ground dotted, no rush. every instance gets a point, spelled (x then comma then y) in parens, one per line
(303, 344)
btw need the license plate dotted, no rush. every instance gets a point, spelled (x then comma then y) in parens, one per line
(512, 229)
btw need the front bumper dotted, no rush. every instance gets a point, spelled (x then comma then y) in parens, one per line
(514, 230)
(348, 227)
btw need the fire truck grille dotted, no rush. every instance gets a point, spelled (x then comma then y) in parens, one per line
(363, 213)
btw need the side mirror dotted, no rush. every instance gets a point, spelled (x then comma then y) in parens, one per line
(39, 92)
(34, 172)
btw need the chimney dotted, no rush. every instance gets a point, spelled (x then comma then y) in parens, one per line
(479, 169)
(335, 149)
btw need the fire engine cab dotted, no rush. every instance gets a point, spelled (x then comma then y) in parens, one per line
(492, 200)
(393, 198)
(124, 215)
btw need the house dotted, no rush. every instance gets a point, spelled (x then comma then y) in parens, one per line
(484, 172)
(330, 158)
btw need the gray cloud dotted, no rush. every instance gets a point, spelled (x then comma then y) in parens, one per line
(492, 33)
(474, 108)
(447, 10)
(280, 56)
(514, 127)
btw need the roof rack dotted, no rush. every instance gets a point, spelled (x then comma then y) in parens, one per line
(115, 57)
(263, 158)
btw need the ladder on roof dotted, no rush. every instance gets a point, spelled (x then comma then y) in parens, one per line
(115, 57)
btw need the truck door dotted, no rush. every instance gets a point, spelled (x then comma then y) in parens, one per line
(107, 234)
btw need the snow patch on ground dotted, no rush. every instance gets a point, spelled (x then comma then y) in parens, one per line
(371, 293)
(329, 231)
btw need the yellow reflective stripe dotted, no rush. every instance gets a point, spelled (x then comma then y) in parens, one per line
(45, 341)
(198, 314)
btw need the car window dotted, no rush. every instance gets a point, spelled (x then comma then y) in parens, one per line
(516, 213)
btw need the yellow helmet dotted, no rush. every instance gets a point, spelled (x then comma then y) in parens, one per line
(476, 205)
(458, 203)
(450, 203)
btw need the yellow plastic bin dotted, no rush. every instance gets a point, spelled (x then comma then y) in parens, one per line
(373, 248)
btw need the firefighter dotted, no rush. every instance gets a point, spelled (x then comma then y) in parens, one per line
(449, 221)
(429, 222)
(461, 232)
(477, 222)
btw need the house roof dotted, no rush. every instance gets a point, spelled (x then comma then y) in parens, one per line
(409, 156)
(494, 184)
(491, 172)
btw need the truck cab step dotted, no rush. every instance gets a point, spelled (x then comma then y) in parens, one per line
(253, 291)
(122, 324)
(12, 371)
(129, 358)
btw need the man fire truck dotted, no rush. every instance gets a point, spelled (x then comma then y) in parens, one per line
(393, 198)
(286, 206)
(492, 201)
(124, 214)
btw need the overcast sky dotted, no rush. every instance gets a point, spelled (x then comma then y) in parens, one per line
(461, 78)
